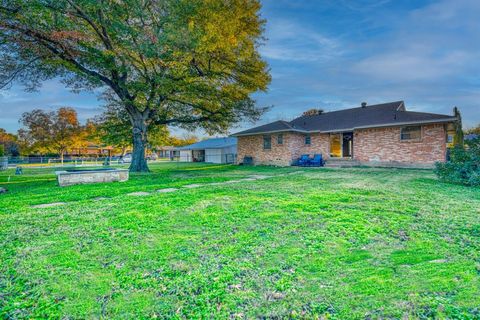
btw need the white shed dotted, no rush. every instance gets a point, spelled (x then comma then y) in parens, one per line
(216, 150)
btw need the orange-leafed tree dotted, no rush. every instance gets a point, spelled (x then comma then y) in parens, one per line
(55, 131)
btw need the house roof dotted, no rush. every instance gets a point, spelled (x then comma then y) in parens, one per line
(379, 115)
(215, 143)
(165, 148)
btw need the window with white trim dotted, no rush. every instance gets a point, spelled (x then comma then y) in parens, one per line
(280, 139)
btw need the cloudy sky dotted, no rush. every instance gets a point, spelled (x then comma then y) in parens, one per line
(334, 54)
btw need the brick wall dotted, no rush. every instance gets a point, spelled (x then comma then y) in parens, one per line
(320, 145)
(377, 145)
(252, 146)
(282, 155)
(384, 145)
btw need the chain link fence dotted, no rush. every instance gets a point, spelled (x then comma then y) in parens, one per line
(40, 161)
(46, 161)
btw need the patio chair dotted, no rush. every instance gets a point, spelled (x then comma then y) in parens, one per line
(317, 161)
(304, 160)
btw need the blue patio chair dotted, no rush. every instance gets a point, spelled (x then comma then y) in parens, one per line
(317, 160)
(304, 160)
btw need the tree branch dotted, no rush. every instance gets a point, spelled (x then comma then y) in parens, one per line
(16, 72)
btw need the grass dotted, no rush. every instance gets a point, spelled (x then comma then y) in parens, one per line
(341, 244)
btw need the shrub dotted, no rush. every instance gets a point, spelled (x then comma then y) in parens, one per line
(2, 150)
(463, 166)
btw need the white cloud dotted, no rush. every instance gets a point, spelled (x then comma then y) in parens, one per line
(290, 41)
(430, 44)
(411, 65)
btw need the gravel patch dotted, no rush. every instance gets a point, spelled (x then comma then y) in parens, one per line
(439, 261)
(138, 194)
(260, 177)
(232, 181)
(48, 205)
(99, 198)
(167, 190)
(194, 185)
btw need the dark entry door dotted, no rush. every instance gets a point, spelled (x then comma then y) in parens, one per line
(198, 155)
(347, 145)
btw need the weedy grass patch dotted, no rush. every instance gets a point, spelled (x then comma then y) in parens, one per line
(345, 244)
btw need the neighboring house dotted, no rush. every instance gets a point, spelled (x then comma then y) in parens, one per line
(216, 150)
(382, 134)
(167, 152)
(91, 149)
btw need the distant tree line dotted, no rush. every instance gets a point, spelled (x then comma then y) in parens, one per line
(59, 132)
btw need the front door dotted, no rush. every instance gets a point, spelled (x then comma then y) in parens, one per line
(198, 155)
(347, 145)
(335, 145)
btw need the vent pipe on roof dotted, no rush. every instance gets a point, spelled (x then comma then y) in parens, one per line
(364, 104)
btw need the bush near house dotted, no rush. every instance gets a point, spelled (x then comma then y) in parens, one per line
(463, 166)
(2, 150)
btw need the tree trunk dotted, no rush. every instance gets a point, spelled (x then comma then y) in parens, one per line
(139, 163)
(61, 157)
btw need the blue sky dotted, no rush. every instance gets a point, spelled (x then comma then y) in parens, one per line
(334, 54)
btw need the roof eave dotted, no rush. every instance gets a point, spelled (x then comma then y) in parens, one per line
(267, 132)
(203, 148)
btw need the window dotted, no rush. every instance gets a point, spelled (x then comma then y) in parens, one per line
(308, 139)
(280, 139)
(449, 138)
(411, 133)
(267, 142)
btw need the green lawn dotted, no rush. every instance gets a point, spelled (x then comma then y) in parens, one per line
(346, 244)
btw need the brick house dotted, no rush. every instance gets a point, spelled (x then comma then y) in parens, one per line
(382, 134)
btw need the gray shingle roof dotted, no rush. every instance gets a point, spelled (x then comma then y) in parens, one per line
(214, 143)
(386, 114)
(279, 126)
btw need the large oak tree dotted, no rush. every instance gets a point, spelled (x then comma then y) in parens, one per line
(187, 63)
(113, 128)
